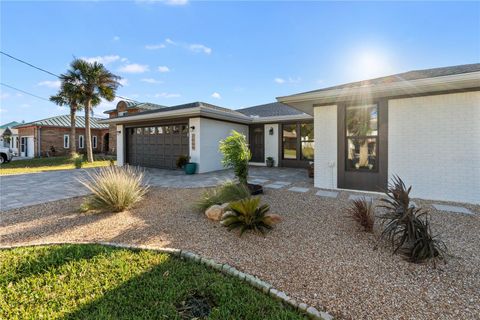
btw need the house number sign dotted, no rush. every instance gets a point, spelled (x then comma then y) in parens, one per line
(193, 141)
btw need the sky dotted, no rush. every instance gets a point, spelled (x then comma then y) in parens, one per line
(231, 54)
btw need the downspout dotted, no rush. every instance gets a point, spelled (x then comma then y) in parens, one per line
(39, 141)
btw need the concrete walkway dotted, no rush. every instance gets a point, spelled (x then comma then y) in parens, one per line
(18, 191)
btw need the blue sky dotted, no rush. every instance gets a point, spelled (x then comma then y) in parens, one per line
(233, 54)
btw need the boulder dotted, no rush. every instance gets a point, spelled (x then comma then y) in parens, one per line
(214, 213)
(272, 218)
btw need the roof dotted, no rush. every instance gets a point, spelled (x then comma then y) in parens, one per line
(63, 121)
(407, 76)
(9, 125)
(190, 106)
(273, 109)
(139, 105)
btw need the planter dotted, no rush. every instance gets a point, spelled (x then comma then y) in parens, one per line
(270, 163)
(255, 189)
(190, 168)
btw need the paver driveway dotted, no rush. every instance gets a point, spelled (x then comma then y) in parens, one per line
(29, 189)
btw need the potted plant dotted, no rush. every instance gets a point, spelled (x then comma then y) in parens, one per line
(270, 162)
(183, 162)
(311, 169)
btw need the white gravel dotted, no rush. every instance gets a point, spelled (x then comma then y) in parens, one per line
(316, 255)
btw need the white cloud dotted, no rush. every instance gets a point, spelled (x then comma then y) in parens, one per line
(279, 80)
(155, 46)
(102, 59)
(166, 95)
(150, 80)
(199, 48)
(50, 84)
(134, 68)
(289, 80)
(123, 82)
(4, 95)
(116, 38)
(194, 47)
(3, 110)
(163, 69)
(216, 95)
(170, 41)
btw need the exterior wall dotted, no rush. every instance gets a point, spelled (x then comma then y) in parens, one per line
(112, 139)
(53, 136)
(194, 139)
(271, 142)
(326, 144)
(120, 147)
(434, 145)
(209, 132)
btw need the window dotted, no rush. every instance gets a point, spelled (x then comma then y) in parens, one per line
(94, 142)
(66, 141)
(160, 130)
(139, 130)
(80, 142)
(122, 113)
(362, 138)
(307, 141)
(289, 141)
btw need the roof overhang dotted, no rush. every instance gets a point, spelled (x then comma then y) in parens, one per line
(306, 101)
(274, 119)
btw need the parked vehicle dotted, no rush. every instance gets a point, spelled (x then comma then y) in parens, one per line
(6, 154)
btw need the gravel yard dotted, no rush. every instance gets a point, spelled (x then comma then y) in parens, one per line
(316, 254)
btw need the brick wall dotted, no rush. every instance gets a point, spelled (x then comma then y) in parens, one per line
(434, 145)
(53, 136)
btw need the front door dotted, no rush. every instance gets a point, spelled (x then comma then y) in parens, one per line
(257, 138)
(23, 147)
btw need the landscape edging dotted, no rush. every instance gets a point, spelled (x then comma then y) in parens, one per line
(253, 281)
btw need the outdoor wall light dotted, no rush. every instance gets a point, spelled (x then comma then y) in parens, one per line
(270, 131)
(192, 128)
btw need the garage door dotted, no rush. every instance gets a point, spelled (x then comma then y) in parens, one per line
(157, 146)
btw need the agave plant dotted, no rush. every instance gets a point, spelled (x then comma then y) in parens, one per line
(362, 211)
(247, 214)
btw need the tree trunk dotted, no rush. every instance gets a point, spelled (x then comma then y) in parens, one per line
(88, 135)
(73, 119)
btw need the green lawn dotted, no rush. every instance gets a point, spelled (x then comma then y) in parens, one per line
(46, 164)
(99, 282)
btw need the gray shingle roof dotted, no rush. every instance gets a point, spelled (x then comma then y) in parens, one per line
(140, 105)
(189, 106)
(408, 76)
(269, 110)
(63, 121)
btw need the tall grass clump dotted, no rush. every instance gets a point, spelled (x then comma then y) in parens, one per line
(114, 188)
(362, 211)
(228, 192)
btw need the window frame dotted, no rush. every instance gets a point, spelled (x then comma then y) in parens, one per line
(94, 142)
(299, 141)
(66, 145)
(376, 137)
(81, 141)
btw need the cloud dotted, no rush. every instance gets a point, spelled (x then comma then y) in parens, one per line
(194, 47)
(199, 48)
(279, 80)
(150, 80)
(167, 95)
(102, 59)
(50, 84)
(3, 110)
(134, 68)
(216, 95)
(155, 46)
(123, 82)
(289, 80)
(4, 95)
(163, 69)
(116, 38)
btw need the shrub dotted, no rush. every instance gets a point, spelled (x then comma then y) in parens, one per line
(408, 228)
(227, 192)
(246, 214)
(362, 211)
(78, 161)
(236, 155)
(182, 161)
(114, 188)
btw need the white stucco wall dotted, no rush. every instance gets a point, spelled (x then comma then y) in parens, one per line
(434, 145)
(194, 154)
(120, 147)
(209, 132)
(271, 142)
(325, 129)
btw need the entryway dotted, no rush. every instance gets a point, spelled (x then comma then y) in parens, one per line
(26, 147)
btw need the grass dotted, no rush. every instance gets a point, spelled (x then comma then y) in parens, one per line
(99, 282)
(46, 164)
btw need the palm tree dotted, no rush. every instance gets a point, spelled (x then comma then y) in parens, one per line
(94, 83)
(69, 95)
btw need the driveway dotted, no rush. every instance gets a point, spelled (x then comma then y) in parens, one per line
(18, 191)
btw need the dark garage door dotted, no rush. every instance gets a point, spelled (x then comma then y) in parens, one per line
(157, 146)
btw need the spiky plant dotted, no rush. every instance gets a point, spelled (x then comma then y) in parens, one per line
(247, 214)
(362, 211)
(228, 192)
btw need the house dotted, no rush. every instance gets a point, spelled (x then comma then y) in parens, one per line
(9, 136)
(124, 108)
(51, 136)
(422, 125)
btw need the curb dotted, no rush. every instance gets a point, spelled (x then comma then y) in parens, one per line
(255, 282)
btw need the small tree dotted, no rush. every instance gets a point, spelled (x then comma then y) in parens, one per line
(236, 155)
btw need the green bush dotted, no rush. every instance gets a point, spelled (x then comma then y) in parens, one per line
(236, 155)
(114, 188)
(247, 214)
(182, 161)
(78, 161)
(408, 228)
(227, 192)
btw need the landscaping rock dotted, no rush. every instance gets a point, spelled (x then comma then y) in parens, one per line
(226, 214)
(215, 212)
(273, 218)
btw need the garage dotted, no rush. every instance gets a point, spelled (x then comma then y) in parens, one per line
(156, 146)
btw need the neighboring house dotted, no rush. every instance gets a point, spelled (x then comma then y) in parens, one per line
(124, 108)
(423, 126)
(9, 136)
(38, 137)
(156, 138)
